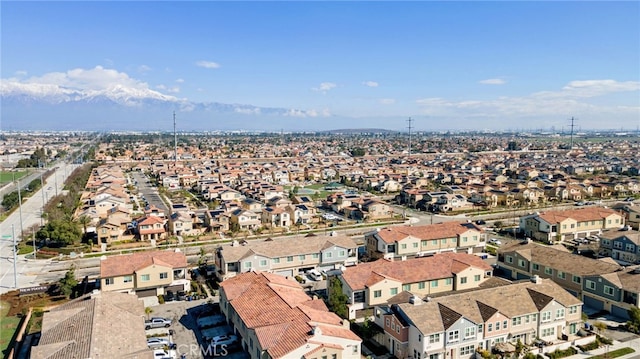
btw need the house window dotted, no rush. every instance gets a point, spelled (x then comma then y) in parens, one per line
(466, 350)
(536, 266)
(342, 253)
(546, 316)
(448, 281)
(164, 275)
(406, 287)
(434, 242)
(423, 243)
(590, 284)
(263, 263)
(573, 309)
(454, 336)
(329, 254)
(576, 279)
(463, 280)
(393, 291)
(561, 275)
(421, 285)
(521, 263)
(497, 325)
(469, 332)
(315, 256)
(608, 290)
(546, 332)
(509, 259)
(247, 264)
(434, 283)
(489, 327)
(548, 271)
(388, 321)
(403, 246)
(434, 356)
(301, 257)
(145, 277)
(128, 278)
(109, 281)
(275, 260)
(289, 258)
(434, 338)
(377, 293)
(415, 244)
(560, 313)
(476, 278)
(516, 321)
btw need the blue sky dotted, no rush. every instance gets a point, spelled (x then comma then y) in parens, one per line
(511, 62)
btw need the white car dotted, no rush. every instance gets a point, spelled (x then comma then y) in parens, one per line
(495, 241)
(157, 342)
(315, 275)
(163, 354)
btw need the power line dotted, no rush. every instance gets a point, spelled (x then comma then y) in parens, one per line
(572, 126)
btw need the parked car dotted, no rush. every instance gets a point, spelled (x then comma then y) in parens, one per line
(157, 322)
(481, 222)
(495, 241)
(163, 354)
(220, 340)
(314, 274)
(169, 296)
(181, 295)
(158, 342)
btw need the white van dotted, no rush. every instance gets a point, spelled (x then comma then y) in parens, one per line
(315, 275)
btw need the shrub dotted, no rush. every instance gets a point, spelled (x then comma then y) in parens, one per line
(591, 346)
(161, 299)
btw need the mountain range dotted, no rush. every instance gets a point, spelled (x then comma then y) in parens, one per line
(52, 107)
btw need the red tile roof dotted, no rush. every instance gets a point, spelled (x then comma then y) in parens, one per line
(128, 264)
(286, 315)
(580, 215)
(432, 231)
(439, 266)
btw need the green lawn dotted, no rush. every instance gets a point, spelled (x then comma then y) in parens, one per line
(8, 326)
(7, 176)
(614, 354)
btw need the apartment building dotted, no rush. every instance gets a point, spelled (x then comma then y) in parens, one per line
(456, 325)
(144, 273)
(558, 226)
(275, 318)
(623, 246)
(373, 283)
(287, 257)
(416, 241)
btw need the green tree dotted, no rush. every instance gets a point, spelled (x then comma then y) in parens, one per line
(202, 259)
(633, 325)
(84, 221)
(60, 232)
(69, 282)
(148, 311)
(337, 299)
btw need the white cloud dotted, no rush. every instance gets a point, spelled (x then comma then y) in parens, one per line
(387, 101)
(370, 84)
(180, 81)
(208, 64)
(248, 111)
(144, 68)
(493, 82)
(324, 87)
(308, 113)
(571, 100)
(21, 73)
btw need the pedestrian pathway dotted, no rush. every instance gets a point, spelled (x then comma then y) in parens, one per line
(633, 344)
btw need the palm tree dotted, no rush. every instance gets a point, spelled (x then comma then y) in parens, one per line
(148, 311)
(84, 220)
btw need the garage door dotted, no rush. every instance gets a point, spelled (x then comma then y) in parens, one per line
(174, 288)
(620, 312)
(521, 276)
(146, 293)
(593, 303)
(285, 273)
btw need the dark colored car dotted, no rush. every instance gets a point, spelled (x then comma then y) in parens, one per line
(169, 296)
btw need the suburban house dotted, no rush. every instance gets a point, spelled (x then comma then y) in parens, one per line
(243, 220)
(144, 273)
(99, 325)
(601, 284)
(373, 283)
(287, 257)
(456, 325)
(558, 226)
(418, 241)
(151, 228)
(181, 223)
(287, 323)
(622, 246)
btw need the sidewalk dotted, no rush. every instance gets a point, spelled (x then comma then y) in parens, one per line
(634, 344)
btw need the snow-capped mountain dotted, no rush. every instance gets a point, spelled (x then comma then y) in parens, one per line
(27, 106)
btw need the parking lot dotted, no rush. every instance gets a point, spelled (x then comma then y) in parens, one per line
(186, 334)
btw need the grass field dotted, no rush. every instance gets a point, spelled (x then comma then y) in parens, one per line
(8, 326)
(614, 354)
(7, 176)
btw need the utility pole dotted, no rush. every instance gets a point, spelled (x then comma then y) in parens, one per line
(20, 209)
(572, 126)
(410, 120)
(43, 200)
(15, 255)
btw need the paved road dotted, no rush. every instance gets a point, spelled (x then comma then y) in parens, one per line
(149, 192)
(19, 220)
